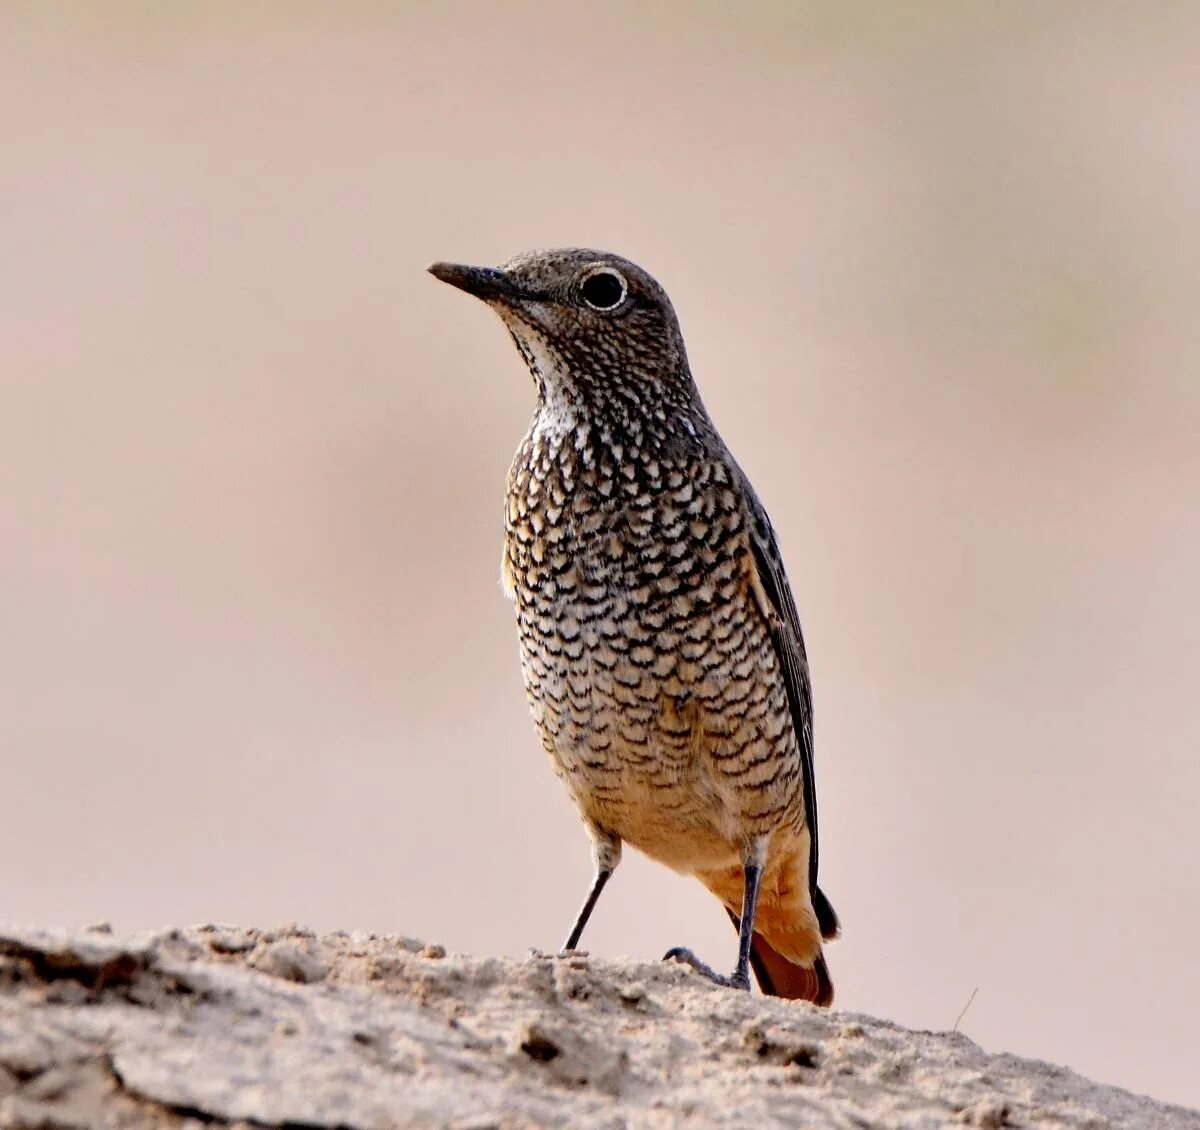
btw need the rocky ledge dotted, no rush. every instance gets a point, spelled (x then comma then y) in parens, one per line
(221, 1026)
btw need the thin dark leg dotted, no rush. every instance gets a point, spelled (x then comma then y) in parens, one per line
(589, 904)
(741, 975)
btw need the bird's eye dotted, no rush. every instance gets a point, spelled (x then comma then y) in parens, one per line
(603, 289)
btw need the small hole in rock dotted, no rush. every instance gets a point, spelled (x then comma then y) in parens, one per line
(537, 1047)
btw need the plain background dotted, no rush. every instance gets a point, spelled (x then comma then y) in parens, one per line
(938, 269)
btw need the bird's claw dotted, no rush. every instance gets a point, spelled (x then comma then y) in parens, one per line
(685, 955)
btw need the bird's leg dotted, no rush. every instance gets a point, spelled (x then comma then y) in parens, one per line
(606, 852)
(752, 876)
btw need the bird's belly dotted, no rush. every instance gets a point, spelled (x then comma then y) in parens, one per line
(635, 704)
(647, 656)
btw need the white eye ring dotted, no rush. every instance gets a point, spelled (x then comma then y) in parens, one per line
(602, 297)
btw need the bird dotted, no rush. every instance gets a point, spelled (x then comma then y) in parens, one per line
(661, 648)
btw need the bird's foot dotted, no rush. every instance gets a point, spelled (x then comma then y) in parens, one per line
(685, 955)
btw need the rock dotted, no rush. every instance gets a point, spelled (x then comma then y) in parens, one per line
(220, 1026)
(289, 961)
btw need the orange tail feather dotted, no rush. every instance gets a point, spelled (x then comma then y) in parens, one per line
(779, 977)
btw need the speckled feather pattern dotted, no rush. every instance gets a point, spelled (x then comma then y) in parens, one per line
(667, 681)
(647, 658)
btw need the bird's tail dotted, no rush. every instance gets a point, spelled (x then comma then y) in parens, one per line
(789, 925)
(778, 976)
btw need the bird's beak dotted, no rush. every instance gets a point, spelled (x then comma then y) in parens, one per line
(484, 282)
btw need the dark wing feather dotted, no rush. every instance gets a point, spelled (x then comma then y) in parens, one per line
(788, 641)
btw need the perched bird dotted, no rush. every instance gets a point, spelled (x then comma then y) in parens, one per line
(660, 644)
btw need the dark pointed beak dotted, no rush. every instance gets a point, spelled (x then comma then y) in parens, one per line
(483, 282)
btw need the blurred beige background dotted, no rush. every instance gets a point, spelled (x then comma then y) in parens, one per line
(938, 268)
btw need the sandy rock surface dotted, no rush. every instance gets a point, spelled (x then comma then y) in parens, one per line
(221, 1026)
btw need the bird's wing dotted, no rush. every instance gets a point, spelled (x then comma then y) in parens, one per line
(788, 642)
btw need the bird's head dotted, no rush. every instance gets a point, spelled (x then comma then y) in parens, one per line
(594, 329)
